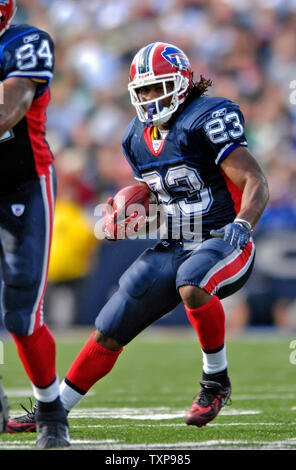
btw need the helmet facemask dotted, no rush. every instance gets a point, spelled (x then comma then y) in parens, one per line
(153, 112)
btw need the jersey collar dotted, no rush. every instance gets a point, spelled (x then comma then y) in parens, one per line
(148, 141)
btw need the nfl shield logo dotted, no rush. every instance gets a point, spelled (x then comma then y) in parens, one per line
(18, 209)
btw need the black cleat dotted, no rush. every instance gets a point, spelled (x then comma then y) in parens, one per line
(24, 423)
(52, 428)
(211, 398)
(4, 409)
(52, 435)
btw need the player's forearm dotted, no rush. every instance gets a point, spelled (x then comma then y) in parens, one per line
(18, 94)
(254, 199)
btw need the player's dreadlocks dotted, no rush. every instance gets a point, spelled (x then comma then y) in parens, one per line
(200, 88)
(197, 90)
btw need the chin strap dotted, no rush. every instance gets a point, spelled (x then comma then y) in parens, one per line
(150, 109)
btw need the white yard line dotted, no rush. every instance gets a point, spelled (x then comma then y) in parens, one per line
(153, 414)
(110, 444)
(157, 414)
(168, 425)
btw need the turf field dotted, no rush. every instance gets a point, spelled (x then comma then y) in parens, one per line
(141, 404)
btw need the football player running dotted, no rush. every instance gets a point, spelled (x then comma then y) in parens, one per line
(191, 151)
(27, 194)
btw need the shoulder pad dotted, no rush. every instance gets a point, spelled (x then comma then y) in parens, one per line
(204, 108)
(129, 130)
(26, 51)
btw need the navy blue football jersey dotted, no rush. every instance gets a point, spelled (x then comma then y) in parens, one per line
(184, 170)
(26, 52)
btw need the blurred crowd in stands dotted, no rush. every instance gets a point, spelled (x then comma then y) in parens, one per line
(248, 49)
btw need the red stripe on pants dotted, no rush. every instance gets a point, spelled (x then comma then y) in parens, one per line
(230, 269)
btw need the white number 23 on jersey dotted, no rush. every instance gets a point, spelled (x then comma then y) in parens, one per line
(221, 129)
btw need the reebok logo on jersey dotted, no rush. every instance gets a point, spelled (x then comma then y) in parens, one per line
(18, 209)
(30, 38)
(219, 112)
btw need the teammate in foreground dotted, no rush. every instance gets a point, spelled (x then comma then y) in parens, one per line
(192, 153)
(27, 194)
(4, 409)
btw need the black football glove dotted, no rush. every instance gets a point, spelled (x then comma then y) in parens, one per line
(236, 233)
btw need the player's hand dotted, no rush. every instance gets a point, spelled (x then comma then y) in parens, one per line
(109, 220)
(236, 233)
(119, 226)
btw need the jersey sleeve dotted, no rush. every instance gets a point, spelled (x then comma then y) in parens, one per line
(125, 142)
(30, 55)
(223, 130)
(136, 174)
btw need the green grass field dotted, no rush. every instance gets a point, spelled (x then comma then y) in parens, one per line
(141, 404)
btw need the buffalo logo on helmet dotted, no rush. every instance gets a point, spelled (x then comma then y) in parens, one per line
(176, 57)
